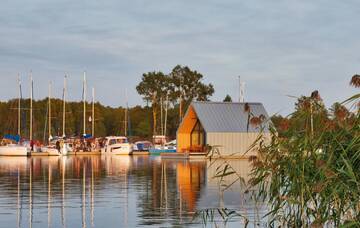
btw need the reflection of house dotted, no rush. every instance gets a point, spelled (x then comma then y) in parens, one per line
(232, 126)
(190, 178)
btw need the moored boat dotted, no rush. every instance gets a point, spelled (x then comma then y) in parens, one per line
(10, 148)
(161, 146)
(142, 146)
(117, 145)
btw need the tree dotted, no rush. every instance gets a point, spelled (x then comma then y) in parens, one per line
(153, 86)
(187, 85)
(227, 98)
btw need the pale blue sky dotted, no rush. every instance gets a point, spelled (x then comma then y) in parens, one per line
(280, 48)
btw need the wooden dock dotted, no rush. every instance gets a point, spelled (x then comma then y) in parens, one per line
(193, 155)
(69, 154)
(38, 153)
(85, 153)
(140, 153)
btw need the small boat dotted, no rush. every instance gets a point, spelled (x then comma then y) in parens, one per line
(169, 147)
(117, 145)
(142, 146)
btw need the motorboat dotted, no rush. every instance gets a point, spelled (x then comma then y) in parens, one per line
(142, 146)
(117, 145)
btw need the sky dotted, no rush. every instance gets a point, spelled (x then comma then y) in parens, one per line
(279, 48)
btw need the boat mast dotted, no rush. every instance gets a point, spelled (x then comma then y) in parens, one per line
(19, 106)
(31, 106)
(161, 116)
(84, 101)
(93, 113)
(64, 107)
(166, 112)
(126, 113)
(49, 113)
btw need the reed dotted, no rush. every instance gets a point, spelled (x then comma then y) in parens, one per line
(308, 174)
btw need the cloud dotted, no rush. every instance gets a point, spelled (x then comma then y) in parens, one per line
(279, 48)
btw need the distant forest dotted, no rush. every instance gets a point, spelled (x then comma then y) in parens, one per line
(108, 120)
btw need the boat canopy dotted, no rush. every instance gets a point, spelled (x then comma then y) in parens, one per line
(15, 138)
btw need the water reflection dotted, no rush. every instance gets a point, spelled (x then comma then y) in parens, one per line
(112, 191)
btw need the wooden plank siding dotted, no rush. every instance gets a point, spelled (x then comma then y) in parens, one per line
(234, 143)
(184, 131)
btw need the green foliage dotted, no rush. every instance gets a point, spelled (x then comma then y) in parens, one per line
(181, 86)
(188, 85)
(227, 98)
(153, 86)
(108, 120)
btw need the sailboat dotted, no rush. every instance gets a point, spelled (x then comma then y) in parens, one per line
(67, 147)
(50, 148)
(9, 147)
(160, 141)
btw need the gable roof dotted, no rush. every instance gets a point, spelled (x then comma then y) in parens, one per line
(228, 116)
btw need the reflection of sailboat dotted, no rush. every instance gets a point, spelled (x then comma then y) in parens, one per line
(49, 196)
(83, 199)
(164, 187)
(11, 163)
(30, 196)
(92, 195)
(18, 201)
(63, 222)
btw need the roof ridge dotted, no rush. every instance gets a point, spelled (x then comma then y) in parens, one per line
(219, 102)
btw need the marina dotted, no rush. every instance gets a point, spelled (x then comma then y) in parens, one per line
(179, 114)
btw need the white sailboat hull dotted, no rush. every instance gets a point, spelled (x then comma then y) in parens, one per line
(13, 150)
(51, 151)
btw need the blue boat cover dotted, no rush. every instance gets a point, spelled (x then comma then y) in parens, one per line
(15, 138)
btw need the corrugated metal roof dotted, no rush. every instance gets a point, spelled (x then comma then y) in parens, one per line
(228, 116)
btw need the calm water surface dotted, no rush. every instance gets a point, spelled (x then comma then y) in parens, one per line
(116, 191)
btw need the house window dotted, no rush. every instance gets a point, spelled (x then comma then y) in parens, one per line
(197, 135)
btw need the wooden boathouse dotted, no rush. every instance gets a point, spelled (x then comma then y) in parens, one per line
(233, 127)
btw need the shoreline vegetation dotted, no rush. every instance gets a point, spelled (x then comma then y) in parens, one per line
(308, 174)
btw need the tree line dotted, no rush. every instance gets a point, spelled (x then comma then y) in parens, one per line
(179, 88)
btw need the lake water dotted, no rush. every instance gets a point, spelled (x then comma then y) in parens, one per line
(118, 191)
